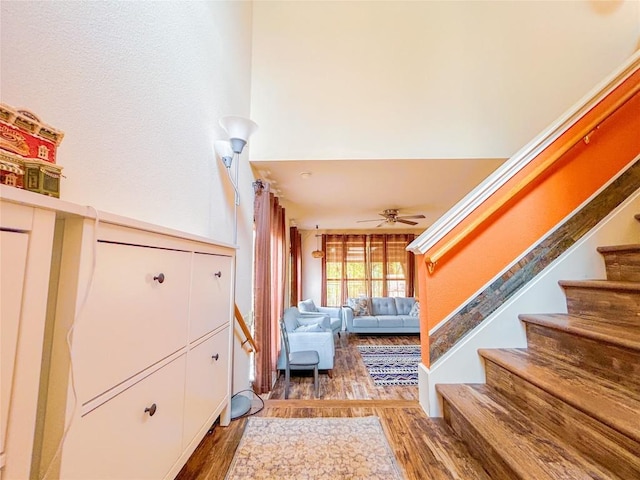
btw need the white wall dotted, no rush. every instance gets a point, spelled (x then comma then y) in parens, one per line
(138, 88)
(426, 79)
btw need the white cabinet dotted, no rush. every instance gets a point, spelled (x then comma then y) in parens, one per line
(206, 364)
(134, 316)
(137, 297)
(115, 342)
(210, 294)
(135, 435)
(26, 239)
(13, 257)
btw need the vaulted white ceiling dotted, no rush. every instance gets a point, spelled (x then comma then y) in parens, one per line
(442, 90)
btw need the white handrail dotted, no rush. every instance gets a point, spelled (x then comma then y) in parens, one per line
(517, 162)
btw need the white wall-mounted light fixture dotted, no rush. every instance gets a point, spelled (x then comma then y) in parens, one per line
(239, 130)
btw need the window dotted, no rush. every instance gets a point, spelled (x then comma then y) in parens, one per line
(366, 265)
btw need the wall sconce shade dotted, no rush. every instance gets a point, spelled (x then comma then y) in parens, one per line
(224, 152)
(239, 130)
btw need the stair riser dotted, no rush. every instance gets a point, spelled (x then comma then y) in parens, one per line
(615, 363)
(623, 266)
(477, 446)
(610, 448)
(618, 306)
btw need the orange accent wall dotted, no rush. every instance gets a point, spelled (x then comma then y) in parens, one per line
(529, 216)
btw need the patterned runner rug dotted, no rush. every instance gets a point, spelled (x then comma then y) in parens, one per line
(391, 364)
(314, 448)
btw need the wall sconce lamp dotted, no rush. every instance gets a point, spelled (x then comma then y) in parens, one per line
(239, 130)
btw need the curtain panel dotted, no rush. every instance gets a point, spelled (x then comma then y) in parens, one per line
(269, 281)
(295, 240)
(372, 265)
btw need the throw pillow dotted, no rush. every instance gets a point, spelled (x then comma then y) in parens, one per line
(291, 319)
(360, 306)
(310, 328)
(415, 310)
(307, 306)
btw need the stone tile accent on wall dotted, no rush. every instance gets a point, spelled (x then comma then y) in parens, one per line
(479, 308)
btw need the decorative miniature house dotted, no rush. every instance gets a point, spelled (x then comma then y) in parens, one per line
(28, 152)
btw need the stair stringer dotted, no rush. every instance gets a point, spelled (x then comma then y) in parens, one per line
(503, 329)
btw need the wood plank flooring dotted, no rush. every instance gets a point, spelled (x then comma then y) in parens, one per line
(350, 379)
(425, 448)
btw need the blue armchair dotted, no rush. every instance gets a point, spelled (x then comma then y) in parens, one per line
(308, 333)
(309, 308)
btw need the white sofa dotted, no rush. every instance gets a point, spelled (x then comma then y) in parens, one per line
(308, 333)
(382, 315)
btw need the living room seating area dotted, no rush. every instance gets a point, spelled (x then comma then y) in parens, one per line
(382, 315)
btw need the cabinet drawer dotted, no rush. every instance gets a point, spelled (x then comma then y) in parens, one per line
(207, 382)
(130, 320)
(210, 306)
(119, 440)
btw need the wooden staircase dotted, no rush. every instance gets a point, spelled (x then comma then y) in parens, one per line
(568, 406)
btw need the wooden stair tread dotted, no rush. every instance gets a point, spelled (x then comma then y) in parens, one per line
(619, 248)
(604, 400)
(602, 284)
(527, 448)
(622, 335)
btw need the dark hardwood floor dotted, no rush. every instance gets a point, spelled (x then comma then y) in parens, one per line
(424, 447)
(350, 380)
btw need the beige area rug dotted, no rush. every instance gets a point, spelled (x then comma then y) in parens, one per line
(314, 448)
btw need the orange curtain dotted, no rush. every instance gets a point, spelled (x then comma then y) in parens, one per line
(269, 278)
(295, 239)
(373, 265)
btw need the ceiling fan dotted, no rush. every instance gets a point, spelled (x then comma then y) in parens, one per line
(391, 216)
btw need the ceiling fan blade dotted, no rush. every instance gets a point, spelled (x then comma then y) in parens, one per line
(408, 222)
(374, 220)
(381, 224)
(412, 216)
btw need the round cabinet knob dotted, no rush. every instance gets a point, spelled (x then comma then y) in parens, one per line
(215, 357)
(218, 274)
(159, 278)
(151, 410)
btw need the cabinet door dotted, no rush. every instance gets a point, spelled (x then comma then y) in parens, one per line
(119, 440)
(130, 320)
(210, 303)
(13, 257)
(207, 382)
